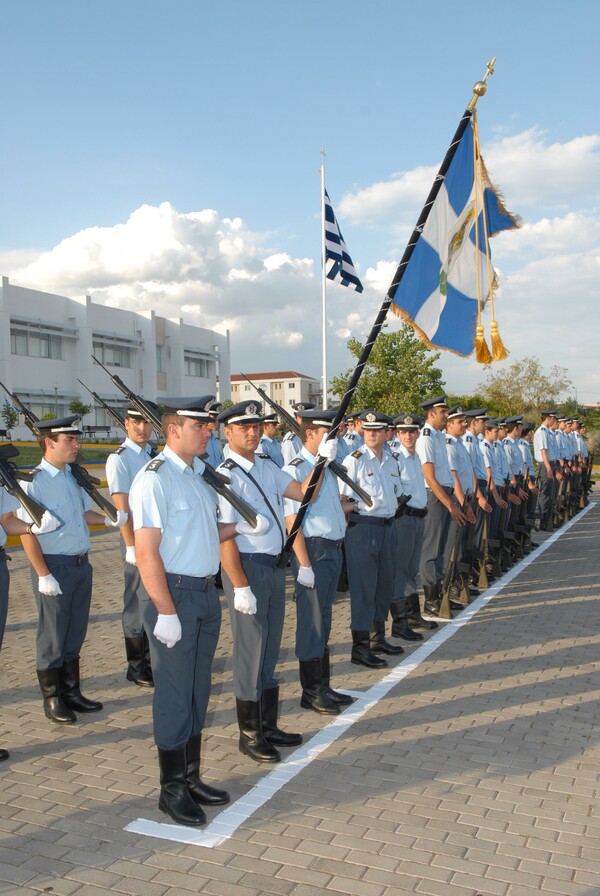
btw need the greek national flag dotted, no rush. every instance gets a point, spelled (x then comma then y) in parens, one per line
(338, 264)
(438, 290)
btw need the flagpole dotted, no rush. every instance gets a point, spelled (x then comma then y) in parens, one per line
(323, 279)
(479, 89)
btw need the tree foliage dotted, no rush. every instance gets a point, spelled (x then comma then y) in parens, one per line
(525, 388)
(79, 407)
(400, 373)
(9, 415)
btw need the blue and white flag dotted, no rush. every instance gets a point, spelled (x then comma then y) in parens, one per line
(338, 264)
(438, 292)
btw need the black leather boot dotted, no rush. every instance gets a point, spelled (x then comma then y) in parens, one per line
(70, 689)
(54, 708)
(432, 600)
(362, 655)
(138, 670)
(313, 694)
(4, 754)
(413, 614)
(379, 644)
(202, 794)
(175, 799)
(336, 696)
(400, 626)
(252, 740)
(269, 710)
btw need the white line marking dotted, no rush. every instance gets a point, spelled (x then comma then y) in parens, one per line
(230, 819)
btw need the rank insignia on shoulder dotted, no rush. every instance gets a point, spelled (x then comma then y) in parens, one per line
(356, 454)
(155, 464)
(296, 462)
(229, 464)
(426, 431)
(34, 471)
(448, 440)
(120, 450)
(469, 438)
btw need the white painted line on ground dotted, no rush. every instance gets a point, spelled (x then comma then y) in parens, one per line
(230, 819)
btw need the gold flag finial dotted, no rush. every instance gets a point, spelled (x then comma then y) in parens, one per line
(480, 87)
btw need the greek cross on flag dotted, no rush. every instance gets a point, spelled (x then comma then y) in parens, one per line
(338, 264)
(437, 294)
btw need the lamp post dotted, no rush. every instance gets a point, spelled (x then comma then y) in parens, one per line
(55, 400)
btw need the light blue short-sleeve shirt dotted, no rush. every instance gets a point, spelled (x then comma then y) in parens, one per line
(123, 466)
(57, 491)
(174, 498)
(324, 517)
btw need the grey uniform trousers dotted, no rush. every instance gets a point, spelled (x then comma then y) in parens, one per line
(182, 673)
(62, 620)
(313, 605)
(4, 583)
(257, 638)
(131, 618)
(410, 531)
(437, 523)
(371, 559)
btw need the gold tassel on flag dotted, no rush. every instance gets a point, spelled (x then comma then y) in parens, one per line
(482, 352)
(498, 351)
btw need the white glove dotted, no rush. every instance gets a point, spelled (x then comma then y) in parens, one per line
(168, 629)
(362, 507)
(244, 528)
(244, 601)
(130, 555)
(48, 524)
(48, 585)
(122, 518)
(306, 576)
(328, 449)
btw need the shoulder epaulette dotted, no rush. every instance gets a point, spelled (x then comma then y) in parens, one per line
(296, 462)
(229, 464)
(288, 435)
(448, 440)
(264, 456)
(154, 465)
(426, 431)
(468, 438)
(356, 453)
(34, 471)
(120, 450)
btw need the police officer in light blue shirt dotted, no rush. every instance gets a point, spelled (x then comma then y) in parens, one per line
(371, 542)
(214, 448)
(431, 449)
(546, 455)
(10, 525)
(177, 547)
(410, 529)
(268, 444)
(318, 547)
(61, 572)
(122, 466)
(254, 582)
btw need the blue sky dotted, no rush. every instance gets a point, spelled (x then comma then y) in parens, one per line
(125, 122)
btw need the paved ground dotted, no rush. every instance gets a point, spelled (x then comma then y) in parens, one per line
(476, 773)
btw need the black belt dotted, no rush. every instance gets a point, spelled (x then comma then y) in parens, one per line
(190, 583)
(270, 560)
(326, 542)
(370, 520)
(67, 559)
(415, 511)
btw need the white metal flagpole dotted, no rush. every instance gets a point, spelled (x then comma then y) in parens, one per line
(323, 278)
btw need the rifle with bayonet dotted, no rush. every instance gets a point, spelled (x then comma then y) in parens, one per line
(9, 476)
(215, 480)
(112, 413)
(80, 474)
(450, 573)
(337, 469)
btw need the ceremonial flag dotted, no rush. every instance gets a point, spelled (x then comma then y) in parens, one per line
(338, 264)
(449, 276)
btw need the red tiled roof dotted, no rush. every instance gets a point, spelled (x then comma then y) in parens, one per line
(275, 375)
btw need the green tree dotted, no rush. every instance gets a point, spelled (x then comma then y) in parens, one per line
(524, 387)
(79, 407)
(400, 373)
(9, 416)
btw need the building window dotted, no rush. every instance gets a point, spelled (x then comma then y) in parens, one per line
(291, 385)
(160, 368)
(35, 345)
(195, 366)
(113, 355)
(247, 388)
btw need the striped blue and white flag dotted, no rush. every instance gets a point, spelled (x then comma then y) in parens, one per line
(437, 294)
(338, 264)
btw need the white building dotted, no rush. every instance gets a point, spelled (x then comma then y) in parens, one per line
(47, 342)
(285, 387)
